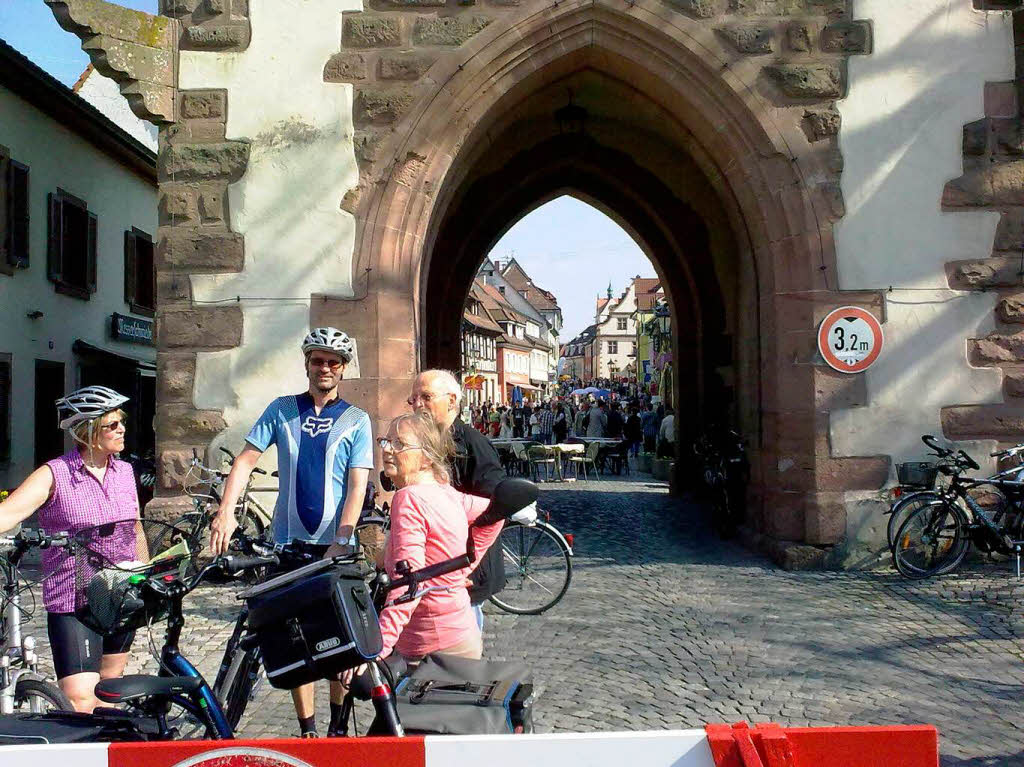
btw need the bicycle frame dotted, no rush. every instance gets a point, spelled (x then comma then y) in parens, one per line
(16, 649)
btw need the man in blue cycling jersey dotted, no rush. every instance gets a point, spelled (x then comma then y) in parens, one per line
(324, 458)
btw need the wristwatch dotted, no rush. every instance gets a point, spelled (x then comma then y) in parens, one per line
(350, 541)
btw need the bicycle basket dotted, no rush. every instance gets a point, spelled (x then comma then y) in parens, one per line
(917, 473)
(112, 560)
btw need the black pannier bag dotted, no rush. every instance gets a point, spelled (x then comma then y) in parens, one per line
(313, 623)
(447, 695)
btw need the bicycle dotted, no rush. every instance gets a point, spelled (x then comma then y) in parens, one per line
(22, 687)
(724, 474)
(934, 538)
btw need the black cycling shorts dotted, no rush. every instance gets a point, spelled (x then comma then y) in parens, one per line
(76, 648)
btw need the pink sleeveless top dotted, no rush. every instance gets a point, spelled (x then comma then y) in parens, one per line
(79, 501)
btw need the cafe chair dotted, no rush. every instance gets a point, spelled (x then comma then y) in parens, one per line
(589, 458)
(541, 456)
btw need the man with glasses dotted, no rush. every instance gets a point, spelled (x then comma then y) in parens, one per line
(476, 470)
(324, 459)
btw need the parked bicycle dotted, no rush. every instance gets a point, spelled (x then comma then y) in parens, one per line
(724, 472)
(936, 534)
(22, 686)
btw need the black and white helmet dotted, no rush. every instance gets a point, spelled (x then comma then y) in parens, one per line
(330, 340)
(86, 404)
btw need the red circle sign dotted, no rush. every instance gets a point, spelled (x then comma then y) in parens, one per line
(850, 339)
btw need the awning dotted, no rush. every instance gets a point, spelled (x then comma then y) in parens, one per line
(85, 349)
(523, 386)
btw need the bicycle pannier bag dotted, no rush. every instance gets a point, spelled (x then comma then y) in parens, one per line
(447, 695)
(314, 623)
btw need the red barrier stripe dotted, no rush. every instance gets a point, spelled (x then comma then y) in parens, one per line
(313, 752)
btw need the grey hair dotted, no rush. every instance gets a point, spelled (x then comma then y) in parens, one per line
(448, 380)
(436, 443)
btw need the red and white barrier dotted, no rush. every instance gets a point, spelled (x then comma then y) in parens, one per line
(715, 746)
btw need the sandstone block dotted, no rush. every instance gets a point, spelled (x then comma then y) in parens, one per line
(997, 347)
(1011, 309)
(172, 288)
(217, 7)
(798, 37)
(177, 7)
(193, 162)
(702, 9)
(1000, 422)
(768, 7)
(379, 106)
(367, 143)
(825, 519)
(361, 31)
(178, 206)
(212, 207)
(847, 37)
(403, 66)
(1013, 383)
(215, 38)
(996, 272)
(832, 193)
(447, 30)
(1001, 99)
(821, 123)
(807, 81)
(414, 3)
(345, 68)
(1007, 134)
(799, 557)
(175, 376)
(181, 423)
(749, 38)
(1010, 231)
(167, 508)
(204, 104)
(200, 252)
(214, 327)
(975, 140)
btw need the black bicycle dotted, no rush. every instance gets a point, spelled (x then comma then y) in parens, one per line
(724, 473)
(937, 533)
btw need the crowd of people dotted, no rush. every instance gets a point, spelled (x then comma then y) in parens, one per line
(625, 415)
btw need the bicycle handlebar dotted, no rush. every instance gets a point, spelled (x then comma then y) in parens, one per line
(1009, 452)
(37, 538)
(933, 443)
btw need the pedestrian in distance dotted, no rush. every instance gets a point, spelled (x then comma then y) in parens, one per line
(324, 459)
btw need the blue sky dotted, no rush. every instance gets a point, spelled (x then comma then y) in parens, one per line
(567, 247)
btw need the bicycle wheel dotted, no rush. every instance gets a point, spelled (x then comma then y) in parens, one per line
(39, 696)
(933, 540)
(903, 508)
(538, 569)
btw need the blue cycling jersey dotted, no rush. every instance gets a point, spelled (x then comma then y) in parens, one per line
(314, 453)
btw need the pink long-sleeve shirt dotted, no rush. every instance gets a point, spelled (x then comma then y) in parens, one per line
(429, 524)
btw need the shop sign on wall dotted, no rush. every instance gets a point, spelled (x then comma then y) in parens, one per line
(132, 330)
(850, 339)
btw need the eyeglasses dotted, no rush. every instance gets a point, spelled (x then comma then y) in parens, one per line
(394, 445)
(319, 362)
(112, 426)
(426, 397)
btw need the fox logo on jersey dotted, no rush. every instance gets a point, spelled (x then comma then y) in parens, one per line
(314, 426)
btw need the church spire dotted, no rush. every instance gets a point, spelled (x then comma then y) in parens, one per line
(609, 290)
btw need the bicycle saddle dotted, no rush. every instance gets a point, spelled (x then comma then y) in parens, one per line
(136, 686)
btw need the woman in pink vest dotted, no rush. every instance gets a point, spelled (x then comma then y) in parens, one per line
(85, 487)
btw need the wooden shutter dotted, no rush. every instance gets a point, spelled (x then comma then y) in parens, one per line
(17, 214)
(54, 241)
(90, 266)
(129, 267)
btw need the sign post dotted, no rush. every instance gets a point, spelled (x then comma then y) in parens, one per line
(850, 339)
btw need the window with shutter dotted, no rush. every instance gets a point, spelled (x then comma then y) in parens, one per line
(72, 243)
(139, 272)
(17, 214)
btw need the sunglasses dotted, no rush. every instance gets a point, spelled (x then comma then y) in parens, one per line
(112, 426)
(319, 362)
(394, 445)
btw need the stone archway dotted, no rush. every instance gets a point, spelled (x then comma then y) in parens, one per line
(745, 133)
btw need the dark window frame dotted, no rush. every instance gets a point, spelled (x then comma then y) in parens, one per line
(16, 214)
(139, 254)
(59, 219)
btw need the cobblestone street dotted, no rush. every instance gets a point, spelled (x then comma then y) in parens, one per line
(664, 626)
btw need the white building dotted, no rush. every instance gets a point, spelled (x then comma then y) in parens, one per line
(615, 333)
(79, 206)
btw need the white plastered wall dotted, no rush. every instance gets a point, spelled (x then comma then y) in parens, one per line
(298, 240)
(901, 134)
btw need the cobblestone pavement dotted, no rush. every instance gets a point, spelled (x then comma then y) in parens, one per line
(664, 626)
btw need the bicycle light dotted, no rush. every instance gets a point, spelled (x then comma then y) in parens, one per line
(569, 538)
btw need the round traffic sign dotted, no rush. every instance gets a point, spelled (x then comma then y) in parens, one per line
(850, 339)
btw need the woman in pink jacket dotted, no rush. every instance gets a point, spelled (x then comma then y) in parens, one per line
(430, 522)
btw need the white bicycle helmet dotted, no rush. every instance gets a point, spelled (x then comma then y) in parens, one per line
(330, 340)
(86, 404)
